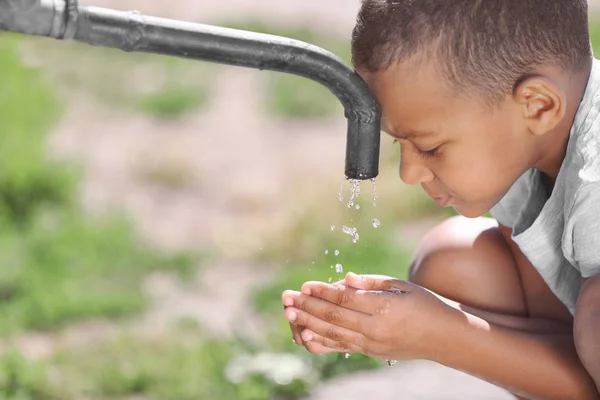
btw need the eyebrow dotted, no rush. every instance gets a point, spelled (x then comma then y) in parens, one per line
(408, 134)
(412, 134)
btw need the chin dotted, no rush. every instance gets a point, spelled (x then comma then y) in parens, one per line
(470, 212)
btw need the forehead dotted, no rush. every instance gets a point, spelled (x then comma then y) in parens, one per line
(412, 98)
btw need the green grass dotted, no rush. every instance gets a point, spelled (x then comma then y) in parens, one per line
(22, 379)
(28, 108)
(161, 369)
(293, 97)
(120, 368)
(65, 268)
(56, 266)
(183, 367)
(595, 32)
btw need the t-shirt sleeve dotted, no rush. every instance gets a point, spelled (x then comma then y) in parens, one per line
(507, 210)
(584, 229)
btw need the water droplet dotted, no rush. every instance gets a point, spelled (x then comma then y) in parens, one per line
(352, 232)
(354, 191)
(341, 193)
(333, 227)
(376, 223)
(347, 355)
(374, 193)
(293, 341)
(357, 206)
(331, 267)
(330, 280)
(391, 363)
(336, 252)
(326, 252)
(339, 268)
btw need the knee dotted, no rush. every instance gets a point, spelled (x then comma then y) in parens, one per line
(458, 251)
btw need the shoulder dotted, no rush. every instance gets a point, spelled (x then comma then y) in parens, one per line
(585, 160)
(585, 132)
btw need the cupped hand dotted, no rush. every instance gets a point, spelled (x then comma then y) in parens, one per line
(299, 331)
(378, 316)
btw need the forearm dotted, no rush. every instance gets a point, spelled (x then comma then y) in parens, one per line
(523, 324)
(533, 365)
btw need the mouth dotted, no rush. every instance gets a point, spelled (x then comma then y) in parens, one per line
(443, 201)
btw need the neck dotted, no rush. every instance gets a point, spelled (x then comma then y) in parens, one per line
(554, 145)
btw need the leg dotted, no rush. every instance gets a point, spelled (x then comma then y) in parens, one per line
(473, 262)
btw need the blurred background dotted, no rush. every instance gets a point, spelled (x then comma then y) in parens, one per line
(153, 209)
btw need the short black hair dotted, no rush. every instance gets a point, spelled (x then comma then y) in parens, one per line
(486, 45)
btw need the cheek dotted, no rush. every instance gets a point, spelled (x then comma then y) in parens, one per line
(471, 178)
(477, 173)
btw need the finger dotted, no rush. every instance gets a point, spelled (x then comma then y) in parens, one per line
(296, 334)
(306, 287)
(317, 341)
(343, 296)
(376, 282)
(288, 296)
(332, 313)
(316, 347)
(287, 300)
(325, 329)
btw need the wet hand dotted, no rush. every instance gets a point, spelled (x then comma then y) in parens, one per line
(377, 316)
(297, 330)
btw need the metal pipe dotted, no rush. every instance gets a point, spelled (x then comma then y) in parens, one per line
(131, 31)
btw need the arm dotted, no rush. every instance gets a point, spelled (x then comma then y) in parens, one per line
(587, 326)
(534, 365)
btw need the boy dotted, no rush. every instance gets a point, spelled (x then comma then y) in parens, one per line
(495, 104)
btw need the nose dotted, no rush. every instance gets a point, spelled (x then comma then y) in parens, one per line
(413, 169)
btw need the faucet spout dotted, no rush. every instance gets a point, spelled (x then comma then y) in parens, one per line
(132, 31)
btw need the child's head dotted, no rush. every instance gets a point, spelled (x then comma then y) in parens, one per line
(474, 89)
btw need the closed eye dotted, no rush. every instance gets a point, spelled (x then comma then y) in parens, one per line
(428, 153)
(424, 153)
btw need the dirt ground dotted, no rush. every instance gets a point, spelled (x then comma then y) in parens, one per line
(246, 189)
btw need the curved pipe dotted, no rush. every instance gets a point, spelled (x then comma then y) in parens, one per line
(131, 31)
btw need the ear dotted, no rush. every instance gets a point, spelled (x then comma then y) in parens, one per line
(543, 103)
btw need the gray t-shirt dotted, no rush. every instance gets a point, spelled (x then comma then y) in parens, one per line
(560, 234)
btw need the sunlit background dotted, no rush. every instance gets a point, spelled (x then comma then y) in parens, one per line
(152, 210)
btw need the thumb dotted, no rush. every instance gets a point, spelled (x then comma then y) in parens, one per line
(375, 282)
